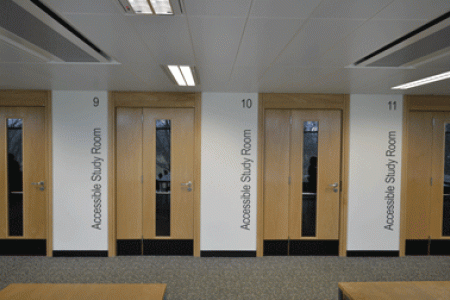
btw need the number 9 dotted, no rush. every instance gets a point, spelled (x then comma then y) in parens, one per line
(96, 101)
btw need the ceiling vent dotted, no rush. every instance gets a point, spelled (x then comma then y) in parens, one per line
(33, 27)
(427, 43)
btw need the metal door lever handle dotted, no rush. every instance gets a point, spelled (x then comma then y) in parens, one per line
(334, 184)
(41, 183)
(188, 184)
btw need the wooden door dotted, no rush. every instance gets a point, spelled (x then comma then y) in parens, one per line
(301, 179)
(428, 184)
(155, 180)
(23, 201)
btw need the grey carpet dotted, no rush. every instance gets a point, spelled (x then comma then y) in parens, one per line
(227, 278)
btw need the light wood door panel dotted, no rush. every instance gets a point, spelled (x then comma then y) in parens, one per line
(284, 143)
(33, 168)
(276, 174)
(328, 172)
(182, 166)
(438, 162)
(420, 139)
(129, 173)
(329, 164)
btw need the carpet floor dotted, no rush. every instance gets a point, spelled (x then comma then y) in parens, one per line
(227, 278)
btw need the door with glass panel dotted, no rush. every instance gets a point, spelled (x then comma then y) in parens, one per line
(23, 202)
(155, 159)
(302, 182)
(428, 184)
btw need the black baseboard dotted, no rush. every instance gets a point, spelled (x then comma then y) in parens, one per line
(129, 247)
(228, 253)
(168, 247)
(374, 253)
(276, 248)
(313, 248)
(23, 247)
(440, 247)
(416, 247)
(78, 253)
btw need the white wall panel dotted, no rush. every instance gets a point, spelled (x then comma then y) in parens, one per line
(224, 123)
(375, 129)
(80, 170)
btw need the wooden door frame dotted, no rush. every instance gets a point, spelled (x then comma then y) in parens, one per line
(151, 100)
(414, 103)
(38, 98)
(339, 102)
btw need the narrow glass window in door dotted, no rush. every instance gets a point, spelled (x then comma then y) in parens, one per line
(446, 214)
(15, 177)
(309, 197)
(163, 177)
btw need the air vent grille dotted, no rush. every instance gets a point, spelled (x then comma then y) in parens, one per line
(20, 22)
(421, 44)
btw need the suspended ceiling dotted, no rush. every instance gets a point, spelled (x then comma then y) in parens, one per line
(288, 46)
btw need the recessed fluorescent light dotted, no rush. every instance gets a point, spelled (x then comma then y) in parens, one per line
(176, 73)
(158, 7)
(427, 80)
(187, 74)
(162, 7)
(141, 6)
(182, 74)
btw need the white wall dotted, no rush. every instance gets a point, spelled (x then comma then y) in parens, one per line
(224, 121)
(74, 120)
(372, 120)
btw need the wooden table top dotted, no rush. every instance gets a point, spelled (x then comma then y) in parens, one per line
(34, 291)
(399, 290)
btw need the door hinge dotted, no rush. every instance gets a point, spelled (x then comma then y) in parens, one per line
(290, 119)
(434, 122)
(142, 178)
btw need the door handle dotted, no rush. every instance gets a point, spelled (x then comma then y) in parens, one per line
(188, 184)
(334, 186)
(41, 183)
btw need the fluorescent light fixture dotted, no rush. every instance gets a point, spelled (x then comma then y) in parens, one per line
(427, 80)
(158, 7)
(141, 6)
(162, 7)
(183, 75)
(187, 74)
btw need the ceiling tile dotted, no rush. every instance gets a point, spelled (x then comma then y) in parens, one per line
(84, 6)
(216, 40)
(278, 76)
(314, 39)
(222, 8)
(256, 51)
(414, 9)
(349, 9)
(292, 9)
(167, 37)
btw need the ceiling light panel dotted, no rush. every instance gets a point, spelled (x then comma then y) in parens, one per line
(150, 7)
(188, 76)
(162, 7)
(183, 75)
(176, 73)
(141, 6)
(423, 81)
